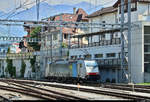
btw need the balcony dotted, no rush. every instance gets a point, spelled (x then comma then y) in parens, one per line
(115, 41)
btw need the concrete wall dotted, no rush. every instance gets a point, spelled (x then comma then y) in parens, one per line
(17, 63)
(137, 53)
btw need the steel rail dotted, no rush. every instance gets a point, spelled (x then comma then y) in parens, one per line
(49, 93)
(121, 94)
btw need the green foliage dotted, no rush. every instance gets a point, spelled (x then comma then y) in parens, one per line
(32, 62)
(10, 68)
(67, 53)
(35, 34)
(64, 45)
(35, 45)
(143, 84)
(8, 51)
(23, 68)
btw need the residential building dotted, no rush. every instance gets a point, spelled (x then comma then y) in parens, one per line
(62, 35)
(14, 48)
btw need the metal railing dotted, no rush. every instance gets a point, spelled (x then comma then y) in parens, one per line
(109, 62)
(115, 41)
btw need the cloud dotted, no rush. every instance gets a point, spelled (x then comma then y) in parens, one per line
(94, 2)
(8, 5)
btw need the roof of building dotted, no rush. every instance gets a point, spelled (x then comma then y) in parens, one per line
(15, 43)
(79, 15)
(102, 11)
(113, 8)
(26, 36)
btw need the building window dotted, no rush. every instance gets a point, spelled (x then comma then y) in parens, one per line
(116, 35)
(55, 37)
(147, 67)
(104, 23)
(147, 30)
(146, 48)
(103, 37)
(74, 57)
(98, 55)
(65, 36)
(88, 56)
(147, 58)
(147, 39)
(133, 7)
(119, 55)
(111, 55)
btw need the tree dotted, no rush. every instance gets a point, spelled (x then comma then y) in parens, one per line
(8, 51)
(35, 34)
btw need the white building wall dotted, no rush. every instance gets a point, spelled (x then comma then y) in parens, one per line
(139, 15)
(137, 53)
(108, 18)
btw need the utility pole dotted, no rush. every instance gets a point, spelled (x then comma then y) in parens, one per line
(61, 37)
(122, 38)
(129, 40)
(51, 45)
(37, 8)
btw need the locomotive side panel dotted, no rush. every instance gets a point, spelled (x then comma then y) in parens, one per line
(74, 70)
(60, 70)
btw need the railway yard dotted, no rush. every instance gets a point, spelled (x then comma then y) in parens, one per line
(13, 90)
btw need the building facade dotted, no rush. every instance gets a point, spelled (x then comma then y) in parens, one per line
(104, 44)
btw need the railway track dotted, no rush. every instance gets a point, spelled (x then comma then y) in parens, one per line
(36, 91)
(98, 90)
(136, 88)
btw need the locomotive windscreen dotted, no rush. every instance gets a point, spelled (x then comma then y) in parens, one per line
(91, 67)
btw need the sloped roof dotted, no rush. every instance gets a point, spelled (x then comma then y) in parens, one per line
(77, 17)
(102, 11)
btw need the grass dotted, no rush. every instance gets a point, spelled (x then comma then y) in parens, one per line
(143, 84)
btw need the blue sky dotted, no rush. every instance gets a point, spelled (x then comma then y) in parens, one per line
(8, 5)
